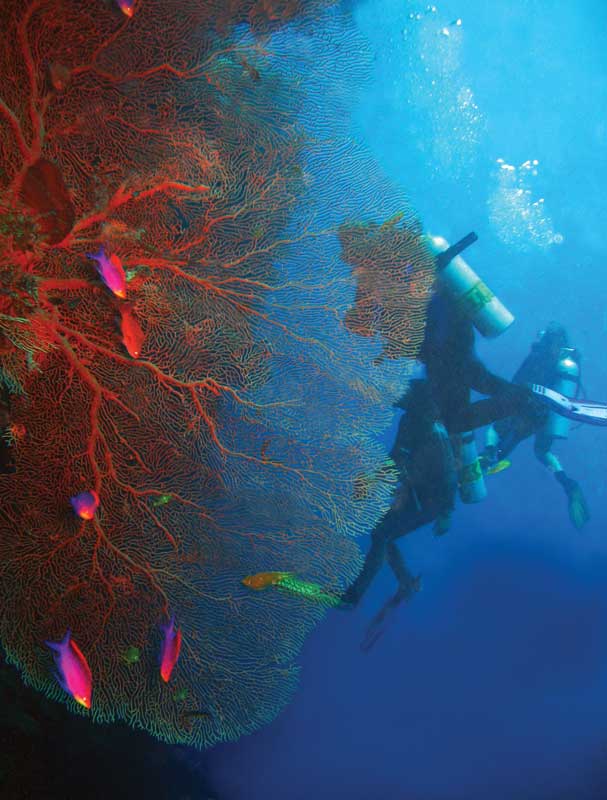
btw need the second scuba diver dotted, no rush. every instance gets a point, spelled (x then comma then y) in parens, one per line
(551, 363)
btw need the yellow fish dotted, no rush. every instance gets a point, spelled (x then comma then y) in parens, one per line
(262, 580)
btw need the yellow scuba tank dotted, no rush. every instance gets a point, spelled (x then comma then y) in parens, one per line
(567, 382)
(471, 481)
(489, 315)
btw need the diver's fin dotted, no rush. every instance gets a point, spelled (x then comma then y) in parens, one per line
(581, 411)
(380, 622)
(500, 466)
(386, 615)
(442, 259)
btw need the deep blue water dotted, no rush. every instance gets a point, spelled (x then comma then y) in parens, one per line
(492, 683)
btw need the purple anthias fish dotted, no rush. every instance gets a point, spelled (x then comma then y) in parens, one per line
(74, 672)
(85, 504)
(127, 6)
(110, 271)
(169, 651)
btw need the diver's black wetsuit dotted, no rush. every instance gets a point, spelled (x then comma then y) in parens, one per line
(435, 407)
(453, 369)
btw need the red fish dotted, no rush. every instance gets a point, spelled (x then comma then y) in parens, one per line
(132, 335)
(74, 672)
(85, 504)
(127, 6)
(169, 651)
(110, 271)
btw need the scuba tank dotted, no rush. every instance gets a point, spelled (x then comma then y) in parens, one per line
(471, 481)
(489, 316)
(566, 383)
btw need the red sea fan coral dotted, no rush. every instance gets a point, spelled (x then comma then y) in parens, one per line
(233, 443)
(394, 271)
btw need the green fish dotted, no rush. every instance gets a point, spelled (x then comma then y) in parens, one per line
(131, 655)
(307, 589)
(162, 500)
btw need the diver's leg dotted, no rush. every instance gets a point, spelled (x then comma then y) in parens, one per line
(373, 561)
(407, 586)
(516, 401)
(407, 582)
(434, 477)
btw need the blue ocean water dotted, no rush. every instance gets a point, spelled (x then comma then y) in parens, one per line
(492, 682)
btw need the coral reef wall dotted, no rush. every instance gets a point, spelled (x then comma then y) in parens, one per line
(196, 378)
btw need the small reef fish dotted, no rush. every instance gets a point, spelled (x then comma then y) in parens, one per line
(262, 580)
(289, 582)
(132, 335)
(85, 504)
(181, 694)
(309, 590)
(74, 672)
(110, 271)
(131, 655)
(162, 500)
(169, 651)
(127, 7)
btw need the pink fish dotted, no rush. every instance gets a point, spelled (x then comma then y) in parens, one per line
(110, 271)
(85, 504)
(132, 335)
(74, 672)
(169, 651)
(127, 6)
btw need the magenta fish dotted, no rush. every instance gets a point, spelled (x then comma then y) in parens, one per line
(110, 271)
(74, 672)
(169, 651)
(85, 504)
(127, 6)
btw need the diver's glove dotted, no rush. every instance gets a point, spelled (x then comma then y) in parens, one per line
(578, 510)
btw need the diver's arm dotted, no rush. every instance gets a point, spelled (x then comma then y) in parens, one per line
(483, 381)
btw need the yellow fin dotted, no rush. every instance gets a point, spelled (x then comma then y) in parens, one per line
(499, 467)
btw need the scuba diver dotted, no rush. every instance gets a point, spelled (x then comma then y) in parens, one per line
(438, 413)
(554, 364)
